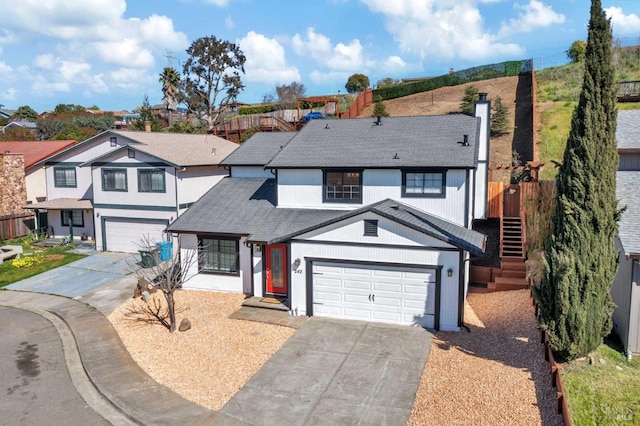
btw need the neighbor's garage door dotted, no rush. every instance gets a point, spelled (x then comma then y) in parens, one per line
(127, 235)
(397, 295)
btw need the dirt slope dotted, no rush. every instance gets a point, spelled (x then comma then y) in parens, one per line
(447, 100)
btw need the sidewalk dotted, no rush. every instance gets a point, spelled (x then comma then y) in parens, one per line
(125, 393)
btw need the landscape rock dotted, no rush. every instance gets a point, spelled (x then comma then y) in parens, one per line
(185, 324)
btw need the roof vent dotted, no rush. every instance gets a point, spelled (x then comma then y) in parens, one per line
(464, 141)
(378, 121)
(326, 126)
(482, 97)
(395, 157)
(394, 206)
(213, 151)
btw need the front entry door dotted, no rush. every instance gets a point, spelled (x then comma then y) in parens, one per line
(277, 269)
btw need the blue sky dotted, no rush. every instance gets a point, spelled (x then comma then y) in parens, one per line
(109, 52)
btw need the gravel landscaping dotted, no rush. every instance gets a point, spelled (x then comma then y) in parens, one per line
(495, 374)
(209, 363)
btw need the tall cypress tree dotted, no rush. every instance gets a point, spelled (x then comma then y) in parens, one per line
(580, 259)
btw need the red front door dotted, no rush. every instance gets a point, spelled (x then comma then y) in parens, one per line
(277, 269)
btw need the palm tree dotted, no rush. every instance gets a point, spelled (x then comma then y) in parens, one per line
(170, 79)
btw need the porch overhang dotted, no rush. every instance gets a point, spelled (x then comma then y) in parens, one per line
(61, 204)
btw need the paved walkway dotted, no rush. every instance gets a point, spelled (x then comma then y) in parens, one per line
(335, 372)
(109, 380)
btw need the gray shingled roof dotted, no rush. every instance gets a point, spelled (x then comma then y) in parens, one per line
(246, 206)
(628, 193)
(628, 129)
(420, 141)
(259, 149)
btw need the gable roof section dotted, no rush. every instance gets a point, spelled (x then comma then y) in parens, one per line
(628, 130)
(34, 151)
(419, 141)
(246, 206)
(175, 148)
(259, 149)
(629, 195)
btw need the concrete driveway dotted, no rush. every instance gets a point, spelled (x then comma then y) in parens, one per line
(337, 372)
(86, 278)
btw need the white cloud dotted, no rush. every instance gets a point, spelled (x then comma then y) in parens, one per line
(394, 63)
(127, 78)
(70, 70)
(126, 52)
(266, 62)
(220, 3)
(341, 57)
(621, 23)
(531, 16)
(443, 30)
(9, 94)
(329, 77)
(228, 22)
(48, 87)
(46, 61)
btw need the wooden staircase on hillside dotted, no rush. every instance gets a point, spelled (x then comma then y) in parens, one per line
(513, 273)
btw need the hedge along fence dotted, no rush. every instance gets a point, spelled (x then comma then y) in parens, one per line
(556, 376)
(258, 109)
(484, 72)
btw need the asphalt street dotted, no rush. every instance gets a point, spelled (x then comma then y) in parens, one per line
(34, 380)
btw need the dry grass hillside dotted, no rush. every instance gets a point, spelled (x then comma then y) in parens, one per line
(447, 100)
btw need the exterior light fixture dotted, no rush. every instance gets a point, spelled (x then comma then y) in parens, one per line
(449, 272)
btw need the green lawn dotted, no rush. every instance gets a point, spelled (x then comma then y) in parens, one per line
(51, 258)
(555, 124)
(603, 393)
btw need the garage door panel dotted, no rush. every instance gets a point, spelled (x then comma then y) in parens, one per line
(401, 295)
(129, 235)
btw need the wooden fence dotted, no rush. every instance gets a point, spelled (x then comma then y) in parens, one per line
(363, 100)
(16, 225)
(497, 195)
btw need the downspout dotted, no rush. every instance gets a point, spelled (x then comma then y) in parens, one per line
(175, 176)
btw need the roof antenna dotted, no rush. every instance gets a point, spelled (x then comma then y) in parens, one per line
(464, 141)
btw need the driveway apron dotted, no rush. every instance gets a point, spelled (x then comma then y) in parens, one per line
(80, 277)
(337, 372)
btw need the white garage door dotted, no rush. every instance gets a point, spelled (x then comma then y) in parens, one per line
(373, 293)
(127, 235)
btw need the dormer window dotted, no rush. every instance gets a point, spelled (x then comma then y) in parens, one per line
(344, 186)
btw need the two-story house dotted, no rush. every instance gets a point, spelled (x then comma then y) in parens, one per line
(121, 187)
(365, 219)
(625, 290)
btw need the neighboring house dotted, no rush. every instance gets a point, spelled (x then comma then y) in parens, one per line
(625, 291)
(364, 219)
(29, 125)
(120, 187)
(22, 182)
(6, 113)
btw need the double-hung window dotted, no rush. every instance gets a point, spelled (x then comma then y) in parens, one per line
(151, 180)
(74, 215)
(218, 255)
(64, 177)
(420, 183)
(344, 186)
(114, 180)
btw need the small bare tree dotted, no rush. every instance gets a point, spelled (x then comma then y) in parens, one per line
(166, 276)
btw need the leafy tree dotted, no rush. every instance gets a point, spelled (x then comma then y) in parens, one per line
(17, 134)
(500, 118)
(577, 51)
(580, 259)
(146, 115)
(357, 83)
(388, 81)
(213, 68)
(288, 94)
(379, 109)
(188, 126)
(25, 112)
(470, 96)
(170, 79)
(74, 132)
(69, 109)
